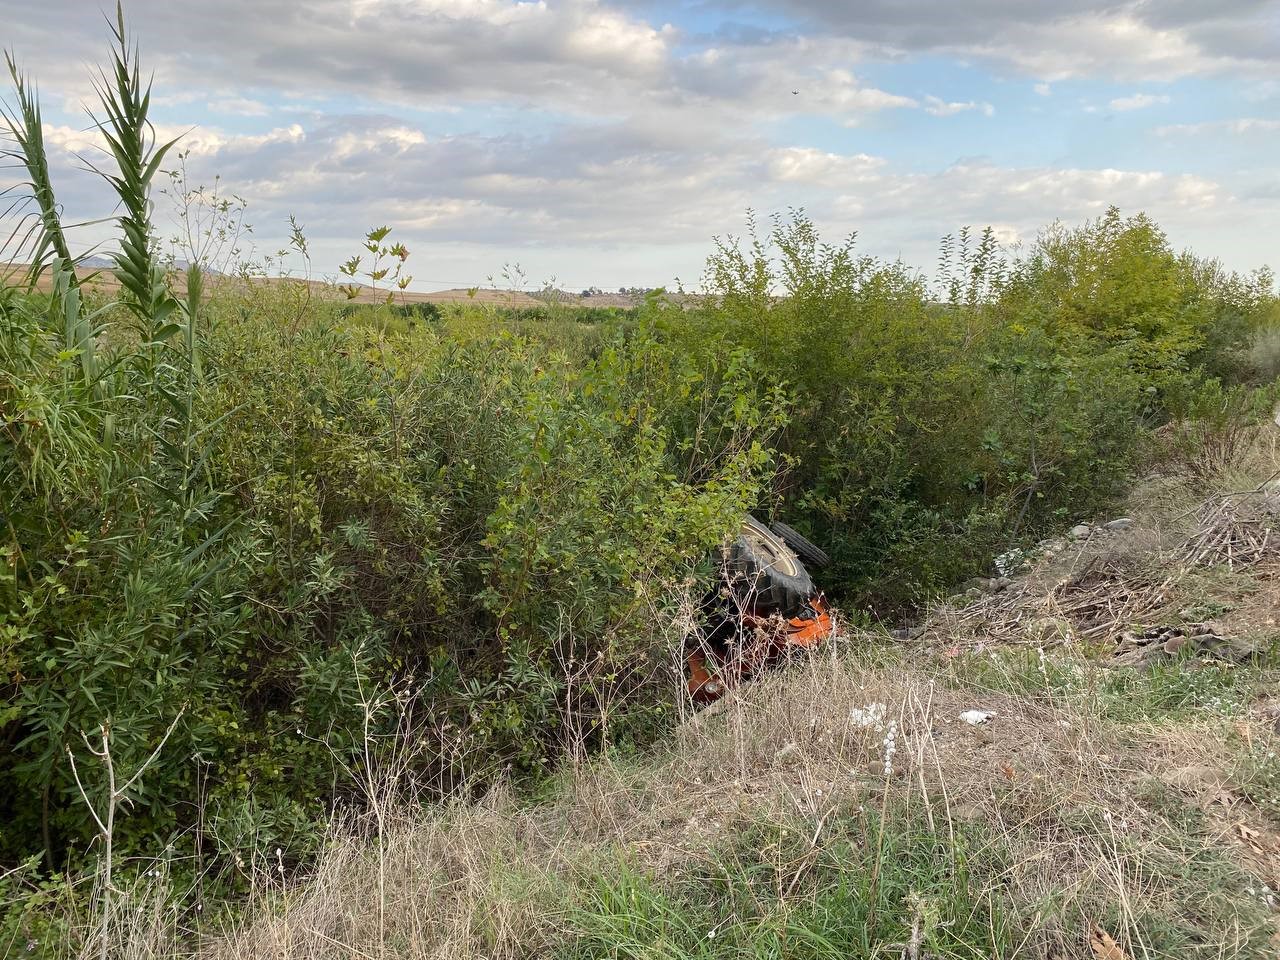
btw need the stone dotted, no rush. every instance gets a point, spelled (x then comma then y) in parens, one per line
(1081, 531)
(1118, 524)
(1174, 645)
(1145, 648)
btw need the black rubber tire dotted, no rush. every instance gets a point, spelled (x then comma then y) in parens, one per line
(808, 551)
(764, 572)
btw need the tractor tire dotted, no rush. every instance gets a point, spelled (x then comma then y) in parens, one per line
(765, 573)
(809, 552)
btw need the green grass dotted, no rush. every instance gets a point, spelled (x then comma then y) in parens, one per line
(1179, 689)
(776, 892)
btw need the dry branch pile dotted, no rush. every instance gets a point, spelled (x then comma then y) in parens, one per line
(1235, 528)
(1092, 594)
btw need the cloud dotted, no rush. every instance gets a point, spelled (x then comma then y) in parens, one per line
(1238, 127)
(1058, 39)
(633, 200)
(941, 108)
(1043, 89)
(1137, 101)
(239, 106)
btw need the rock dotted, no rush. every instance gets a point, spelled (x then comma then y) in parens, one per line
(1081, 531)
(1119, 523)
(1000, 583)
(1145, 648)
(1174, 645)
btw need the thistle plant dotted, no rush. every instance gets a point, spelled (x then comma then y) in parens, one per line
(388, 264)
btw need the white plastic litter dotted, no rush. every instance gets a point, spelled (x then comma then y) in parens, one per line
(871, 716)
(975, 717)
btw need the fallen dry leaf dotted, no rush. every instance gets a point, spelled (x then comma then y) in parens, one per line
(1008, 771)
(1254, 840)
(1104, 945)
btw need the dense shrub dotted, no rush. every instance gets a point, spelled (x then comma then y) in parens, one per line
(265, 537)
(932, 428)
(477, 518)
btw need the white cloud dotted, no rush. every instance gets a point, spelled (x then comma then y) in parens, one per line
(1057, 39)
(1137, 101)
(635, 199)
(239, 106)
(1239, 127)
(941, 108)
(1043, 89)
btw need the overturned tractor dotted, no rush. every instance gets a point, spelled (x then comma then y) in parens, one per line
(764, 608)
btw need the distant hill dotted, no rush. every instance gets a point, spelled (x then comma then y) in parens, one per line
(100, 265)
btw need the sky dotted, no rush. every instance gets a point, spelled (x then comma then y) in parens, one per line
(605, 144)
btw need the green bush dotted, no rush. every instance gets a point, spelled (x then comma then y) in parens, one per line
(932, 429)
(291, 536)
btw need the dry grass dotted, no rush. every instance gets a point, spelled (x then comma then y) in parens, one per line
(1223, 511)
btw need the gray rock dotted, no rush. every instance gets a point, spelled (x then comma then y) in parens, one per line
(1119, 523)
(1080, 531)
(1145, 648)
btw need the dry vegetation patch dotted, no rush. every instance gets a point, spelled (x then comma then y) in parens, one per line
(1071, 822)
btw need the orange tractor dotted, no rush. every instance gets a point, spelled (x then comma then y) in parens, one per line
(764, 608)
